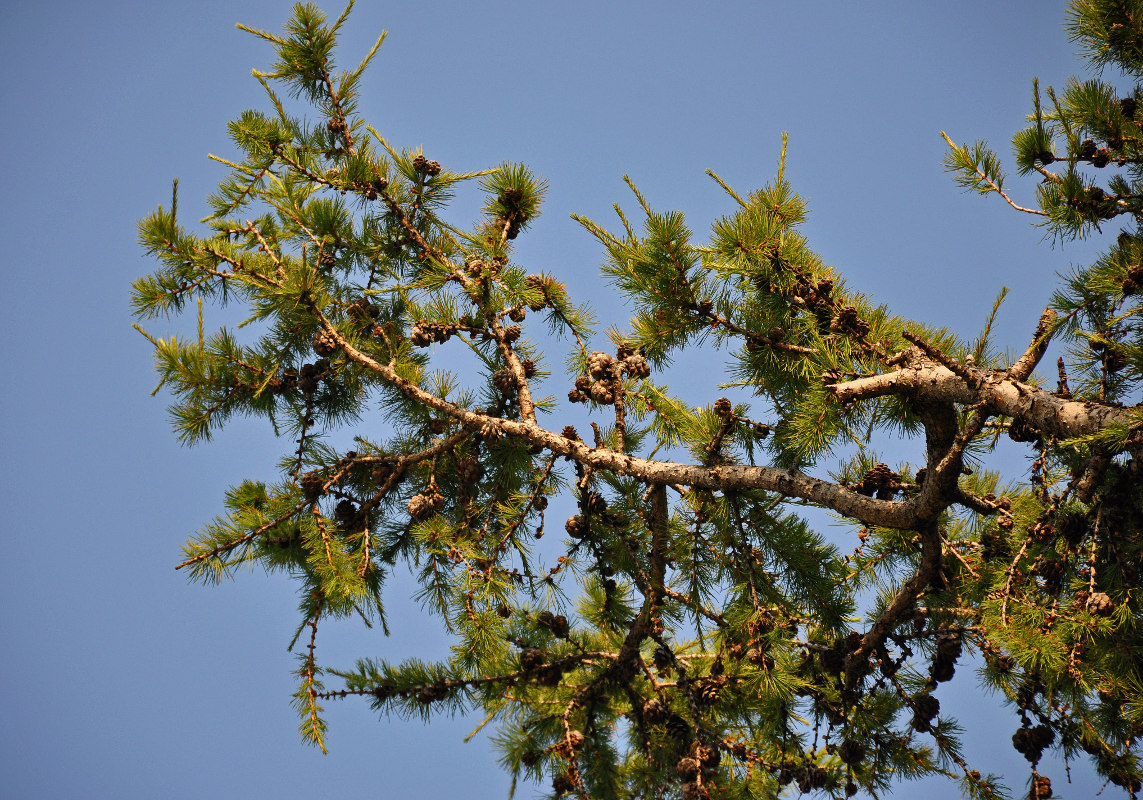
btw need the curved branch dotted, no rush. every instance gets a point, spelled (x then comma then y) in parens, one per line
(723, 477)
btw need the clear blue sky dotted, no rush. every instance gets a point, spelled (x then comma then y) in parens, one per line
(120, 678)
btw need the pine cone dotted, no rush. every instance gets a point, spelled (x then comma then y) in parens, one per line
(423, 506)
(818, 778)
(695, 791)
(599, 365)
(925, 706)
(654, 711)
(563, 782)
(313, 485)
(707, 691)
(537, 283)
(517, 314)
(879, 478)
(688, 768)
(847, 320)
(678, 729)
(594, 503)
(832, 660)
(1030, 742)
(1114, 359)
(1128, 105)
(512, 333)
(363, 310)
(1041, 788)
(722, 407)
(504, 380)
(569, 432)
(324, 343)
(469, 470)
(1100, 604)
(1018, 431)
(420, 335)
(345, 511)
(602, 392)
(576, 527)
(944, 668)
(420, 163)
(531, 658)
(636, 366)
(851, 752)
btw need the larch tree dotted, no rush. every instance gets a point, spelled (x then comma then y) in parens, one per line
(692, 635)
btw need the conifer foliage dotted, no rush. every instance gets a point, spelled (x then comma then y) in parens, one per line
(692, 636)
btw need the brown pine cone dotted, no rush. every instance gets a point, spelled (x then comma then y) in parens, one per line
(1100, 604)
(324, 343)
(576, 527)
(313, 485)
(654, 711)
(636, 366)
(563, 782)
(688, 768)
(531, 658)
(599, 365)
(695, 791)
(851, 752)
(594, 503)
(504, 380)
(602, 392)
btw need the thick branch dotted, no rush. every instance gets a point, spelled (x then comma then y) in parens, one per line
(1055, 416)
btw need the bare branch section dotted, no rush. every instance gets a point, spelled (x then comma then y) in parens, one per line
(1055, 416)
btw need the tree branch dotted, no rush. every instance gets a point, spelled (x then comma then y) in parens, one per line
(1055, 416)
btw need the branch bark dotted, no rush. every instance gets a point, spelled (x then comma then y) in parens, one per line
(1061, 417)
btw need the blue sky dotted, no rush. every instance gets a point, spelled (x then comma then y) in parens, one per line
(123, 680)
